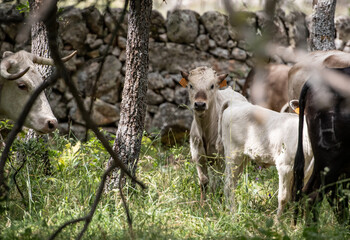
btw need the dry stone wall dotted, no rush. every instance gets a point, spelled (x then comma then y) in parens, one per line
(181, 41)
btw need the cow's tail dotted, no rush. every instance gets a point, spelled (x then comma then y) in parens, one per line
(299, 161)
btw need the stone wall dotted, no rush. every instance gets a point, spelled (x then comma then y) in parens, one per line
(182, 41)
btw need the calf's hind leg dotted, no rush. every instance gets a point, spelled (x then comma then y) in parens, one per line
(285, 177)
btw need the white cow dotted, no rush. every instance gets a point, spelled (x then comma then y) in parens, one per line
(18, 80)
(270, 138)
(206, 99)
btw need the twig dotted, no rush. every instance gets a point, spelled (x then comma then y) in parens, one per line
(54, 235)
(15, 181)
(121, 176)
(97, 200)
(114, 34)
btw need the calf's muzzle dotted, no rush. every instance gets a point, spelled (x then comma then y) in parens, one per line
(200, 101)
(199, 106)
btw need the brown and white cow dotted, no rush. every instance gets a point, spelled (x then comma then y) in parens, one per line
(18, 80)
(324, 99)
(268, 86)
(203, 85)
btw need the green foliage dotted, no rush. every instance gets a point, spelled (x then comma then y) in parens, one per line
(6, 124)
(168, 209)
(23, 7)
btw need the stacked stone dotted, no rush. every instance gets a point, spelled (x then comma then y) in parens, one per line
(342, 24)
(182, 41)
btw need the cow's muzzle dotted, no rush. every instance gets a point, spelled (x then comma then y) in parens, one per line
(50, 126)
(200, 106)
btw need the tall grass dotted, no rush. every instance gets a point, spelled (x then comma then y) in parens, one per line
(168, 209)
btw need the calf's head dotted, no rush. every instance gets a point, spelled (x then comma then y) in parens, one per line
(18, 80)
(202, 84)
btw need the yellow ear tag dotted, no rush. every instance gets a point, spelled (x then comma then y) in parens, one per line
(223, 84)
(183, 82)
(296, 110)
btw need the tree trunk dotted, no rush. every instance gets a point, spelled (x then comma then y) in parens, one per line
(40, 47)
(133, 106)
(322, 32)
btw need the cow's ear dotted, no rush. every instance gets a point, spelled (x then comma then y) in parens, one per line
(184, 80)
(335, 61)
(294, 104)
(6, 54)
(222, 80)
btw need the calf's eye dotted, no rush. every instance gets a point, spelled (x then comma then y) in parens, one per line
(22, 86)
(191, 86)
(212, 86)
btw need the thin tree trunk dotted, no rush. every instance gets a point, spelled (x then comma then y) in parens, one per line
(133, 106)
(322, 32)
(40, 47)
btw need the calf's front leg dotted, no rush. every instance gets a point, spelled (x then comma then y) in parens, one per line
(198, 156)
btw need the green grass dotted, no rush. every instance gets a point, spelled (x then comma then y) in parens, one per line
(168, 209)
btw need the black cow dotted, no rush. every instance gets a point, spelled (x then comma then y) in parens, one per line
(329, 132)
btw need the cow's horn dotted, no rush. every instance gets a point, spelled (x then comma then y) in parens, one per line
(49, 61)
(67, 58)
(5, 65)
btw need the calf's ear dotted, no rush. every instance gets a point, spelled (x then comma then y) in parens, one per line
(294, 104)
(184, 80)
(222, 80)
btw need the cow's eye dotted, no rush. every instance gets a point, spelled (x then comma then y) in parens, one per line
(212, 86)
(22, 86)
(191, 86)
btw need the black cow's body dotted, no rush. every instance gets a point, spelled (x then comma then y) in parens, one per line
(329, 132)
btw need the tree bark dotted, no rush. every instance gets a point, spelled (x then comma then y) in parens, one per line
(40, 44)
(322, 32)
(133, 106)
(40, 47)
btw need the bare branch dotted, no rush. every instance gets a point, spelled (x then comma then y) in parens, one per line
(15, 181)
(97, 200)
(124, 203)
(54, 235)
(114, 35)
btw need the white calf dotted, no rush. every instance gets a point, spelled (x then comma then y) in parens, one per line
(203, 85)
(267, 137)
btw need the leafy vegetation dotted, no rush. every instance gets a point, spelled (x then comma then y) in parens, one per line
(168, 209)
